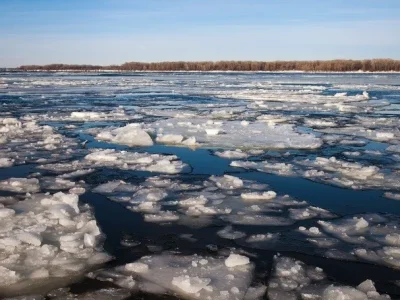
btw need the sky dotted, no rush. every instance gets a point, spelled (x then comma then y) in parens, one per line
(116, 31)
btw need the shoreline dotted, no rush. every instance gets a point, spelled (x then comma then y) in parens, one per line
(213, 71)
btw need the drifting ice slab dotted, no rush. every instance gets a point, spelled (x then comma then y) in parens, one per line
(197, 277)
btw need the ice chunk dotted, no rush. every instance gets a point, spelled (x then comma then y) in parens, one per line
(313, 231)
(135, 161)
(84, 115)
(77, 173)
(163, 216)
(256, 219)
(113, 186)
(212, 131)
(169, 139)
(256, 292)
(262, 238)
(265, 166)
(101, 294)
(230, 234)
(200, 200)
(319, 123)
(343, 293)
(6, 162)
(366, 286)
(130, 135)
(27, 140)
(136, 267)
(6, 212)
(309, 213)
(198, 277)
(190, 142)
(269, 195)
(227, 182)
(56, 183)
(347, 174)
(49, 238)
(232, 154)
(361, 131)
(148, 194)
(235, 134)
(393, 196)
(115, 115)
(191, 285)
(8, 276)
(289, 277)
(30, 238)
(235, 260)
(293, 279)
(199, 210)
(393, 148)
(348, 226)
(20, 185)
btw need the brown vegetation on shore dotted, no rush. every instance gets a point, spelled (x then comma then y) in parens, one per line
(339, 65)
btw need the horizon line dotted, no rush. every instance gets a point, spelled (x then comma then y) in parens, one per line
(210, 61)
(337, 65)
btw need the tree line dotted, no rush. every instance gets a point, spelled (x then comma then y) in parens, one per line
(338, 65)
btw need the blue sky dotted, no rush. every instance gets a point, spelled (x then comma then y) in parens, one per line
(115, 31)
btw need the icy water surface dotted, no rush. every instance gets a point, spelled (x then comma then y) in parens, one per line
(199, 186)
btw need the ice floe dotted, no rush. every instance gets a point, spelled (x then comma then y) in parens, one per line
(348, 174)
(191, 277)
(135, 161)
(235, 134)
(45, 238)
(25, 139)
(124, 160)
(118, 114)
(110, 293)
(131, 135)
(262, 196)
(293, 279)
(393, 196)
(232, 154)
(20, 185)
(265, 166)
(230, 234)
(372, 134)
(209, 277)
(329, 170)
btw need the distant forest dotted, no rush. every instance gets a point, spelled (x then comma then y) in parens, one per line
(368, 65)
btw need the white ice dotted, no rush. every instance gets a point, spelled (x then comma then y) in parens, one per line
(45, 238)
(292, 279)
(232, 154)
(230, 134)
(134, 161)
(130, 135)
(20, 185)
(197, 277)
